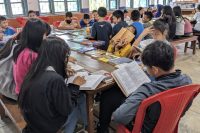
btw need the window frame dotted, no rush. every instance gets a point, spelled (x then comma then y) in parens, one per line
(52, 6)
(8, 8)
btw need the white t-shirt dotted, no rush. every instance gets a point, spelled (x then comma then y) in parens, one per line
(197, 18)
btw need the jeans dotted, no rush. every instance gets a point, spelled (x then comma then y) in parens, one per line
(78, 113)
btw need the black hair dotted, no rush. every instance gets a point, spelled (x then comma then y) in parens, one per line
(149, 15)
(48, 29)
(134, 28)
(68, 14)
(159, 54)
(53, 52)
(31, 36)
(2, 18)
(86, 16)
(167, 11)
(125, 11)
(118, 14)
(177, 11)
(140, 8)
(161, 25)
(93, 11)
(31, 11)
(102, 11)
(135, 15)
(198, 7)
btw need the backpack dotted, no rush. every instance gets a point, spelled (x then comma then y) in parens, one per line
(7, 83)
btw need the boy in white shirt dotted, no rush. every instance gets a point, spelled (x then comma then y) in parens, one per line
(197, 19)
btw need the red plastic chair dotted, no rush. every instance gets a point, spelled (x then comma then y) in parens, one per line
(56, 24)
(173, 103)
(44, 18)
(21, 21)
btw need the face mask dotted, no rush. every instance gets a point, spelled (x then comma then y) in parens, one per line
(68, 21)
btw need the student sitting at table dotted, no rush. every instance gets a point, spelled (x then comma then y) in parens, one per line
(95, 16)
(147, 22)
(118, 20)
(85, 22)
(68, 23)
(126, 16)
(159, 31)
(169, 17)
(102, 30)
(141, 10)
(197, 19)
(180, 23)
(32, 14)
(158, 58)
(7, 30)
(45, 99)
(135, 16)
(159, 11)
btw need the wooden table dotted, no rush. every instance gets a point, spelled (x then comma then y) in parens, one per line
(91, 65)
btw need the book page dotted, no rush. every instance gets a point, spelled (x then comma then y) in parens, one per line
(92, 81)
(81, 74)
(75, 66)
(130, 77)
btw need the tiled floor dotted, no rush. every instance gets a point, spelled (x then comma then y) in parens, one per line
(188, 63)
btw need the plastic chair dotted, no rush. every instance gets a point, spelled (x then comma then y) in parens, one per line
(44, 18)
(21, 21)
(173, 103)
(56, 24)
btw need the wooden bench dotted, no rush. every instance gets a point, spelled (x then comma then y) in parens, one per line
(10, 108)
(186, 40)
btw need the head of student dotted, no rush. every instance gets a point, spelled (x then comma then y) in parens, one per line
(86, 18)
(95, 15)
(167, 10)
(160, 30)
(158, 58)
(102, 12)
(68, 17)
(125, 13)
(32, 14)
(141, 10)
(135, 15)
(118, 16)
(177, 11)
(3, 22)
(54, 52)
(32, 36)
(132, 29)
(147, 17)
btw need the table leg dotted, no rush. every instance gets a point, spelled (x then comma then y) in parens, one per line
(90, 102)
(194, 47)
(186, 46)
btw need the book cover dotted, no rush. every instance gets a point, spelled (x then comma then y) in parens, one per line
(120, 61)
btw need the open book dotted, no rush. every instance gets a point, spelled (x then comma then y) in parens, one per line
(92, 81)
(130, 77)
(124, 34)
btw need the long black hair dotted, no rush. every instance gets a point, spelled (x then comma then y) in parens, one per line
(162, 26)
(177, 11)
(168, 12)
(31, 36)
(53, 52)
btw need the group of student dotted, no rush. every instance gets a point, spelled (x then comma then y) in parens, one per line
(40, 67)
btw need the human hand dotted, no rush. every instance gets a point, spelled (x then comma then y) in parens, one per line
(147, 31)
(79, 81)
(72, 59)
(69, 71)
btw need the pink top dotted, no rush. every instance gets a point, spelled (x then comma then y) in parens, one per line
(21, 67)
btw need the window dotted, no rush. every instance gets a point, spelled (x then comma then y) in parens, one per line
(55, 6)
(2, 8)
(113, 4)
(153, 2)
(138, 3)
(95, 4)
(161, 2)
(44, 6)
(12, 7)
(128, 3)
